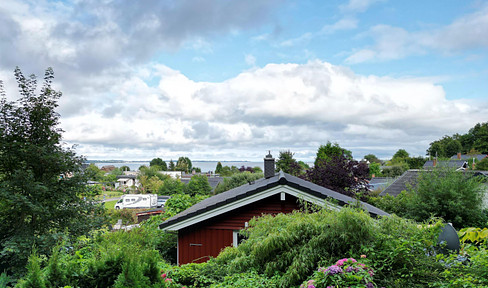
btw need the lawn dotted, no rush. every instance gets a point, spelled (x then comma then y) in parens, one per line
(110, 204)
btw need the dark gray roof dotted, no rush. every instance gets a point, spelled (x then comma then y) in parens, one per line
(380, 182)
(126, 177)
(260, 185)
(450, 164)
(478, 157)
(400, 184)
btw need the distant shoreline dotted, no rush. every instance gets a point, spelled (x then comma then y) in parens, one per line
(175, 160)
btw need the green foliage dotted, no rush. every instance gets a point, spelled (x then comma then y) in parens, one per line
(92, 172)
(171, 186)
(391, 204)
(469, 268)
(326, 152)
(372, 158)
(294, 245)
(106, 259)
(394, 171)
(475, 139)
(400, 156)
(247, 280)
(218, 168)
(345, 272)
(482, 165)
(237, 180)
(171, 166)
(229, 171)
(474, 235)
(416, 162)
(184, 164)
(34, 277)
(180, 202)
(374, 169)
(288, 164)
(257, 169)
(198, 185)
(159, 163)
(455, 197)
(42, 183)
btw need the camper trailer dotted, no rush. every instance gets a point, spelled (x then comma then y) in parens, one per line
(137, 201)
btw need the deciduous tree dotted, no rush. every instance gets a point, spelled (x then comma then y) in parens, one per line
(41, 180)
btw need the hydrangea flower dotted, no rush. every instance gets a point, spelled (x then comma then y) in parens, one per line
(334, 269)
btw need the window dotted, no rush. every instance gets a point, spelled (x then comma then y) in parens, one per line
(127, 200)
(237, 238)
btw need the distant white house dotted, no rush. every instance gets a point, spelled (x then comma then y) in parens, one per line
(172, 174)
(127, 181)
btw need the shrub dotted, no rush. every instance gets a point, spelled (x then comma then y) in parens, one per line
(346, 272)
(455, 197)
(237, 180)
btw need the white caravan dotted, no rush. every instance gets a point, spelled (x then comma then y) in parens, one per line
(137, 201)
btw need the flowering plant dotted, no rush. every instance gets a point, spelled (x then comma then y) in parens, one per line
(168, 282)
(345, 272)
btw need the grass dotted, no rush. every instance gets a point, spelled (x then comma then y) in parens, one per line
(109, 194)
(110, 204)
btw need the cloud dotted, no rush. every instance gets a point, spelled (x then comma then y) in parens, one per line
(342, 24)
(87, 40)
(466, 33)
(357, 6)
(295, 106)
(301, 40)
(250, 60)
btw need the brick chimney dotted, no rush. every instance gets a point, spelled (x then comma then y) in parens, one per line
(459, 155)
(269, 166)
(435, 162)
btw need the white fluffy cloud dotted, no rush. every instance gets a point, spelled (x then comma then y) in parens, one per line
(465, 33)
(279, 106)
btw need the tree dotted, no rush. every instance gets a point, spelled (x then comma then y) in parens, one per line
(455, 197)
(41, 181)
(159, 163)
(124, 168)
(92, 172)
(372, 158)
(482, 165)
(237, 180)
(198, 185)
(400, 156)
(374, 169)
(171, 186)
(452, 148)
(288, 164)
(184, 165)
(416, 162)
(326, 152)
(171, 166)
(218, 169)
(480, 137)
(340, 174)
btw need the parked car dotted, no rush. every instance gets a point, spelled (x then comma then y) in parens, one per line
(162, 200)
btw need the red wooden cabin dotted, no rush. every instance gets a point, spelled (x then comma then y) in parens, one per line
(213, 224)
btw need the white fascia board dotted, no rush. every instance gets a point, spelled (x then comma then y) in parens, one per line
(248, 200)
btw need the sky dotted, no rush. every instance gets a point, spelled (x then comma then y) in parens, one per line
(230, 80)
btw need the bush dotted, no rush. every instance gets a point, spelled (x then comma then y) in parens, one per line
(455, 197)
(294, 245)
(198, 185)
(237, 180)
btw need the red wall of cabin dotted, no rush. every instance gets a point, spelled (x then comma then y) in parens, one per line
(200, 241)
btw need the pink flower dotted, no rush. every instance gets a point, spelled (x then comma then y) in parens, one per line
(163, 275)
(363, 256)
(168, 280)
